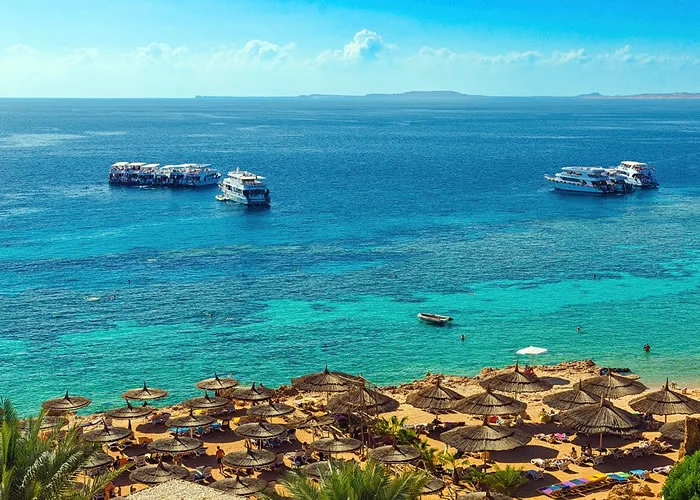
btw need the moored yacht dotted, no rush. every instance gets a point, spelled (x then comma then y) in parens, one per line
(588, 180)
(636, 173)
(245, 187)
(152, 174)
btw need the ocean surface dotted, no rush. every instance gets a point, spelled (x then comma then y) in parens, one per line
(381, 209)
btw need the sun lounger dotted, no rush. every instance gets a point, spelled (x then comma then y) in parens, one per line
(640, 474)
(534, 474)
(666, 469)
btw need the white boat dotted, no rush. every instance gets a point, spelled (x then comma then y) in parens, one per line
(434, 319)
(588, 180)
(152, 174)
(636, 173)
(245, 187)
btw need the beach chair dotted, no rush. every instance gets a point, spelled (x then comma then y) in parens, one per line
(140, 461)
(618, 453)
(596, 460)
(637, 452)
(665, 470)
(534, 474)
(640, 474)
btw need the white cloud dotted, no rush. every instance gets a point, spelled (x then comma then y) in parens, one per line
(366, 45)
(257, 52)
(158, 51)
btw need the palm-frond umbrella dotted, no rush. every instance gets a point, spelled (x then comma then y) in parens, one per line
(435, 398)
(395, 454)
(190, 421)
(485, 438)
(432, 486)
(516, 382)
(240, 485)
(362, 399)
(97, 460)
(666, 402)
(612, 386)
(270, 410)
(107, 434)
(312, 422)
(253, 393)
(128, 412)
(249, 459)
(674, 430)
(568, 400)
(156, 474)
(260, 430)
(66, 403)
(174, 445)
(206, 402)
(145, 394)
(48, 422)
(216, 383)
(489, 403)
(602, 418)
(325, 381)
(318, 469)
(336, 444)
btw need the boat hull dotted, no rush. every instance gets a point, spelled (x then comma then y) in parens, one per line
(434, 319)
(576, 188)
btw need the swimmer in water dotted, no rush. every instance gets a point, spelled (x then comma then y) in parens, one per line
(647, 348)
(463, 337)
(578, 328)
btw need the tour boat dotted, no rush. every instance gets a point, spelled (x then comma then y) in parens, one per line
(636, 173)
(245, 187)
(152, 174)
(435, 319)
(588, 180)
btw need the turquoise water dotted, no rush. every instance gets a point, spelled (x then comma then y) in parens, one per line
(380, 210)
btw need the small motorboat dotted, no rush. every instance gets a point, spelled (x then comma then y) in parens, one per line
(220, 197)
(434, 319)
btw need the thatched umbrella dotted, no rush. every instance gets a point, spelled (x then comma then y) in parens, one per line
(312, 422)
(129, 412)
(240, 485)
(516, 382)
(362, 399)
(666, 402)
(66, 403)
(485, 438)
(106, 434)
(156, 474)
(190, 420)
(48, 422)
(325, 381)
(206, 402)
(602, 418)
(270, 410)
(252, 393)
(336, 445)
(97, 460)
(395, 454)
(249, 459)
(432, 486)
(318, 469)
(568, 400)
(612, 386)
(435, 398)
(260, 430)
(174, 445)
(489, 403)
(145, 394)
(674, 430)
(217, 383)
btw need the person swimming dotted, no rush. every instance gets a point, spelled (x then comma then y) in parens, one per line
(647, 348)
(463, 337)
(578, 328)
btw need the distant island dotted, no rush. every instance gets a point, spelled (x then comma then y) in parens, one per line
(453, 95)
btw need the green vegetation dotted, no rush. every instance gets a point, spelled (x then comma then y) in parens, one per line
(506, 480)
(395, 429)
(683, 482)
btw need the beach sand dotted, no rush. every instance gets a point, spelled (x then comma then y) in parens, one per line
(562, 375)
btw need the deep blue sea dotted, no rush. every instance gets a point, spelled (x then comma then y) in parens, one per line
(381, 209)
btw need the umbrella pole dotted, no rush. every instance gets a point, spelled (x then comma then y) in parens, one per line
(601, 443)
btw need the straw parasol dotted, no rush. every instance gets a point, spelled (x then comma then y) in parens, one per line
(485, 438)
(432, 486)
(318, 469)
(190, 420)
(516, 382)
(270, 410)
(336, 445)
(217, 383)
(665, 402)
(129, 412)
(674, 430)
(174, 445)
(48, 422)
(434, 398)
(249, 459)
(325, 381)
(240, 485)
(312, 422)
(106, 434)
(161, 473)
(602, 418)
(66, 403)
(362, 399)
(252, 393)
(568, 400)
(260, 430)
(99, 459)
(395, 454)
(489, 403)
(612, 386)
(145, 394)
(206, 402)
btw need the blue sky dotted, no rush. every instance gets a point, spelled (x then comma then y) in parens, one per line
(180, 48)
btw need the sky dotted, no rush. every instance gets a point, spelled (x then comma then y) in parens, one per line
(182, 48)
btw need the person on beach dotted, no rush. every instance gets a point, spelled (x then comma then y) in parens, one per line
(219, 458)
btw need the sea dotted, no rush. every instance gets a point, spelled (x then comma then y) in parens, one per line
(381, 208)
